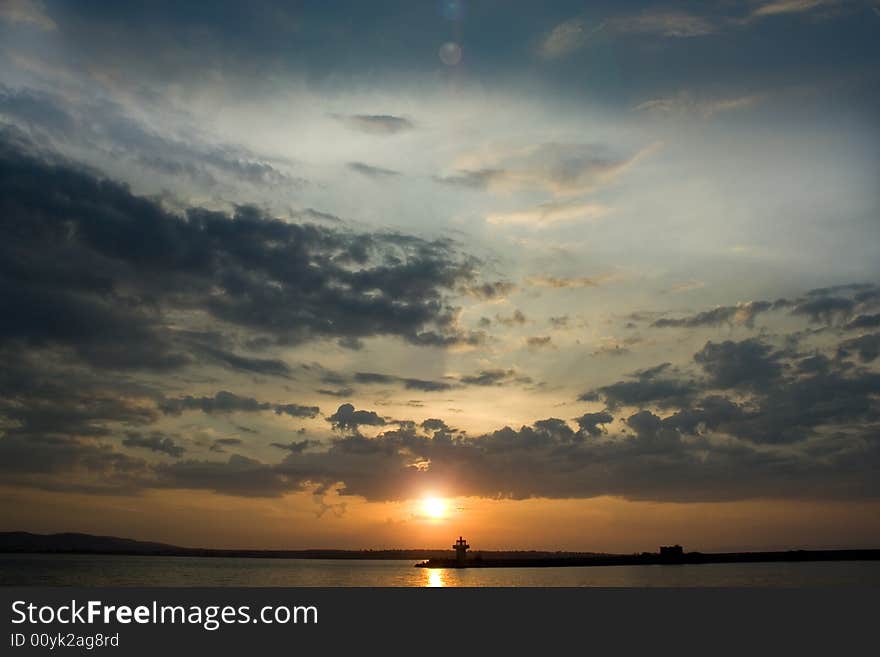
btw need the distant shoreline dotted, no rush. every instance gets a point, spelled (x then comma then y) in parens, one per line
(647, 558)
(87, 544)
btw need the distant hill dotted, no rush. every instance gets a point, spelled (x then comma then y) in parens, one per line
(72, 543)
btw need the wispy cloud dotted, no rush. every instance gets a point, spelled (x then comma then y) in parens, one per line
(539, 342)
(550, 213)
(687, 286)
(561, 168)
(567, 37)
(370, 171)
(489, 290)
(573, 34)
(791, 7)
(30, 12)
(689, 103)
(564, 282)
(516, 319)
(375, 124)
(676, 24)
(743, 313)
(479, 179)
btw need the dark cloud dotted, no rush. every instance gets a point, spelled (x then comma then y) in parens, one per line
(858, 288)
(408, 383)
(548, 460)
(825, 309)
(744, 314)
(665, 458)
(426, 385)
(297, 446)
(820, 305)
(70, 465)
(471, 179)
(489, 377)
(51, 295)
(38, 400)
(59, 427)
(228, 402)
(749, 363)
(654, 372)
(355, 344)
(816, 364)
(108, 128)
(868, 295)
(650, 387)
(645, 424)
(612, 350)
(221, 402)
(376, 124)
(795, 410)
(341, 392)
(374, 377)
(154, 441)
(297, 410)
(538, 341)
(434, 424)
(591, 423)
(778, 397)
(661, 392)
(864, 322)
(220, 444)
(482, 378)
(435, 339)
(312, 214)
(265, 366)
(516, 319)
(228, 441)
(710, 413)
(811, 433)
(108, 266)
(239, 475)
(867, 347)
(371, 171)
(346, 418)
(489, 290)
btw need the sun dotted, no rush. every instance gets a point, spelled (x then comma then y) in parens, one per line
(434, 507)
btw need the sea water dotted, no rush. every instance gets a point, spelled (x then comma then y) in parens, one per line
(106, 570)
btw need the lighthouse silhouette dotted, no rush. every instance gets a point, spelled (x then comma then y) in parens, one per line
(461, 547)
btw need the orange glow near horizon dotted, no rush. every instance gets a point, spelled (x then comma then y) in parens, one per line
(602, 524)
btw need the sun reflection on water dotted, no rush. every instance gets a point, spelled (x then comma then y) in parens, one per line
(435, 577)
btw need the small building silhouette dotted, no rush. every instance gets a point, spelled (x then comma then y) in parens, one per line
(671, 551)
(461, 547)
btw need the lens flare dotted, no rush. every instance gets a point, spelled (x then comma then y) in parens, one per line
(450, 53)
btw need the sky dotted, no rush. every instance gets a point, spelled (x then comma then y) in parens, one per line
(588, 275)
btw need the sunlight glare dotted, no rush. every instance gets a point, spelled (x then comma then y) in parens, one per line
(434, 507)
(435, 578)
